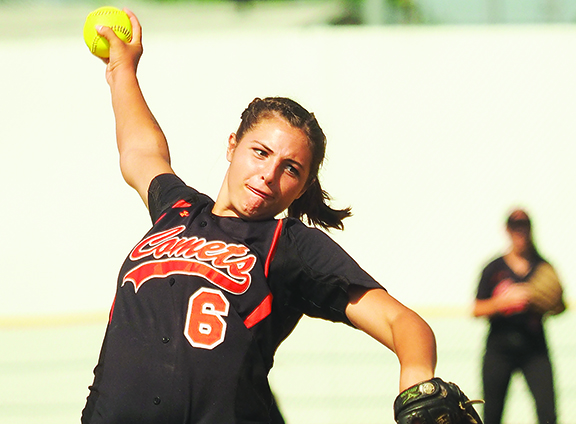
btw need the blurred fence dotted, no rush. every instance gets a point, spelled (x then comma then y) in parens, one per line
(325, 373)
(330, 374)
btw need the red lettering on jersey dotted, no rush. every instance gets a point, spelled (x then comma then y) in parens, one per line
(227, 266)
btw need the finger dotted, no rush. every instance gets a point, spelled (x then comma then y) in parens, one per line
(136, 27)
(107, 33)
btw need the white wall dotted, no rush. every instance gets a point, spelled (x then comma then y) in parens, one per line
(434, 133)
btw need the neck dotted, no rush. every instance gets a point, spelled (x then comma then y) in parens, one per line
(220, 205)
(518, 263)
(519, 254)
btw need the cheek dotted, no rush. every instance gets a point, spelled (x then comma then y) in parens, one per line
(520, 241)
(292, 189)
(239, 167)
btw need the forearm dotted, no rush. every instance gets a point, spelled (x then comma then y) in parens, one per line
(415, 345)
(400, 329)
(485, 308)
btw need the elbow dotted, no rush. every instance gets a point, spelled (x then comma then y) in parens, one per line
(127, 170)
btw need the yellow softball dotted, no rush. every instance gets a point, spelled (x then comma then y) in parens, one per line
(111, 17)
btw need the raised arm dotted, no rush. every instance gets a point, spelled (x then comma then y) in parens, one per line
(399, 328)
(142, 145)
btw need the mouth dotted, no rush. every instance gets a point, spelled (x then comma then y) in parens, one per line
(263, 195)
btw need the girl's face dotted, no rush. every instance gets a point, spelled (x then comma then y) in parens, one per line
(521, 240)
(269, 169)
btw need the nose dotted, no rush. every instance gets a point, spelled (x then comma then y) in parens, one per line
(271, 173)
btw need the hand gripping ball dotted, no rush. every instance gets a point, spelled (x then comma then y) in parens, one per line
(111, 17)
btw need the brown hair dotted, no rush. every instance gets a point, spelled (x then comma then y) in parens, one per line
(314, 202)
(518, 220)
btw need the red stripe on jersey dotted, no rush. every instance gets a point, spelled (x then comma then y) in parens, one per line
(261, 312)
(272, 251)
(161, 216)
(265, 307)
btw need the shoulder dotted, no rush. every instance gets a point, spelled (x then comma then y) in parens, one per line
(492, 273)
(493, 269)
(297, 230)
(541, 262)
(307, 239)
(495, 263)
(543, 267)
(316, 251)
(167, 189)
(312, 272)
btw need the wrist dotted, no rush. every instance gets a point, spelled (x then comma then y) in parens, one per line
(121, 75)
(409, 378)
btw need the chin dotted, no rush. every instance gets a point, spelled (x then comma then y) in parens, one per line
(257, 215)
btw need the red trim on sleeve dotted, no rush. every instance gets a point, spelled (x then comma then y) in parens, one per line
(261, 312)
(181, 204)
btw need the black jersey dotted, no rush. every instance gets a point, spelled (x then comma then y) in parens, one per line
(201, 306)
(526, 322)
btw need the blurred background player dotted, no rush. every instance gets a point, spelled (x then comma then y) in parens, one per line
(516, 339)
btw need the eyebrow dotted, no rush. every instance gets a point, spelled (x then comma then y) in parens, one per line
(268, 149)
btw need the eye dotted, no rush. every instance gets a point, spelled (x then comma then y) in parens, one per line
(260, 152)
(291, 169)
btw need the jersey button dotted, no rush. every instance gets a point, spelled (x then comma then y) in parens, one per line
(157, 400)
(203, 223)
(165, 340)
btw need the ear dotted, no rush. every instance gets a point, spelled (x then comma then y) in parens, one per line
(232, 144)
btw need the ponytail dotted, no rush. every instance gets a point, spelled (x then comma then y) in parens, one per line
(314, 205)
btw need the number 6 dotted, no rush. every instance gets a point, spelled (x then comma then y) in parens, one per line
(205, 327)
